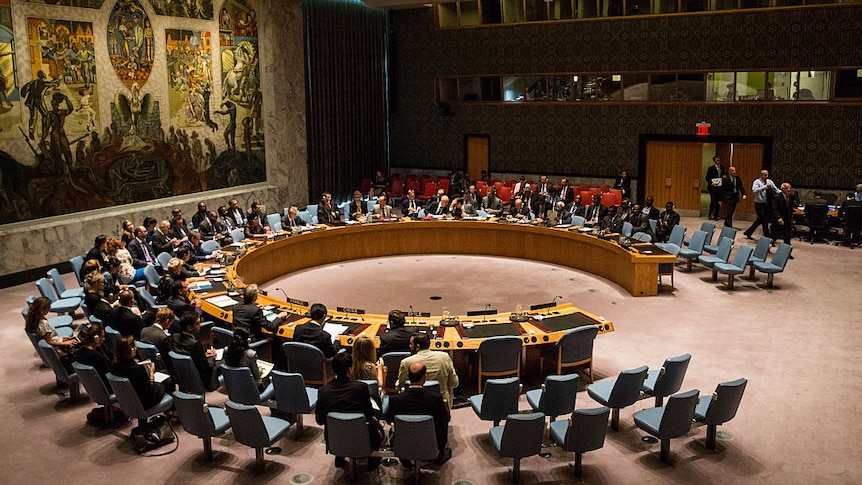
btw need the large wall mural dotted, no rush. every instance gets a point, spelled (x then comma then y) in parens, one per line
(76, 135)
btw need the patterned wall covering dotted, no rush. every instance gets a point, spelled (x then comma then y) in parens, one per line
(813, 145)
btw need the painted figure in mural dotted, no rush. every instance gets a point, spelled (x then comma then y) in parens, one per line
(56, 119)
(86, 107)
(230, 130)
(194, 107)
(149, 39)
(33, 93)
(206, 95)
(235, 85)
(202, 163)
(246, 134)
(225, 20)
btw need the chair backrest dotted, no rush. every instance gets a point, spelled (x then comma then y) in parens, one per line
(761, 250)
(671, 375)
(522, 435)
(627, 387)
(725, 401)
(853, 218)
(213, 245)
(815, 215)
(397, 188)
(194, 414)
(347, 435)
(678, 414)
(781, 255)
(559, 395)
(222, 337)
(247, 424)
(56, 364)
(34, 339)
(290, 392)
(578, 221)
(93, 383)
(150, 352)
(587, 429)
(698, 240)
(56, 280)
(240, 384)
(46, 289)
(500, 398)
(237, 234)
(127, 397)
(305, 359)
(677, 234)
(725, 245)
(420, 439)
(148, 297)
(576, 345)
(708, 228)
(642, 236)
(653, 224)
(627, 229)
(500, 354)
(274, 222)
(727, 232)
(187, 374)
(392, 361)
(77, 265)
(151, 276)
(742, 256)
(164, 258)
(112, 338)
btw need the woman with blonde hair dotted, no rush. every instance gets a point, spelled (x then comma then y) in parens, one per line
(95, 302)
(115, 248)
(128, 231)
(365, 363)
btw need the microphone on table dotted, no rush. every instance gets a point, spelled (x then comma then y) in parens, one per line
(286, 298)
(553, 304)
(413, 314)
(485, 313)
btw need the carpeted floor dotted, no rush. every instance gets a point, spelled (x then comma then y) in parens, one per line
(799, 421)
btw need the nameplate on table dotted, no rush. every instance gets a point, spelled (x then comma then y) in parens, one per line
(345, 309)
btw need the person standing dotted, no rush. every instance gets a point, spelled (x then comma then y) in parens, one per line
(733, 189)
(714, 178)
(782, 214)
(763, 189)
(624, 184)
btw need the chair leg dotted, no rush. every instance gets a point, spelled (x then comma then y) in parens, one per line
(714, 274)
(665, 450)
(711, 431)
(578, 460)
(516, 471)
(74, 392)
(730, 281)
(751, 272)
(109, 414)
(769, 280)
(208, 448)
(299, 427)
(659, 400)
(615, 419)
(258, 459)
(417, 471)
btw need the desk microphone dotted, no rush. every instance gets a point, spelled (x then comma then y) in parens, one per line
(413, 314)
(485, 313)
(553, 304)
(348, 312)
(286, 298)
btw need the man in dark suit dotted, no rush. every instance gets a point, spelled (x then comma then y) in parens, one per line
(98, 250)
(566, 193)
(624, 184)
(326, 214)
(344, 395)
(179, 301)
(200, 215)
(733, 189)
(141, 253)
(397, 338)
(666, 221)
(212, 229)
(649, 209)
(410, 206)
(440, 207)
(236, 214)
(249, 315)
(782, 214)
(161, 240)
(417, 400)
(125, 318)
(714, 178)
(187, 343)
(596, 212)
(179, 234)
(313, 333)
(292, 219)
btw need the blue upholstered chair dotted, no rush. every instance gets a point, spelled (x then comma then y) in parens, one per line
(241, 387)
(719, 408)
(642, 237)
(164, 258)
(60, 287)
(779, 261)
(150, 352)
(274, 222)
(213, 245)
(674, 241)
(722, 256)
(187, 374)
(761, 252)
(131, 404)
(237, 234)
(292, 396)
(736, 267)
(584, 431)
(419, 442)
(575, 348)
(58, 305)
(62, 375)
(618, 393)
(708, 228)
(667, 380)
(201, 420)
(726, 233)
(556, 397)
(671, 421)
(254, 430)
(77, 265)
(347, 436)
(499, 356)
(308, 360)
(519, 438)
(694, 249)
(391, 367)
(499, 400)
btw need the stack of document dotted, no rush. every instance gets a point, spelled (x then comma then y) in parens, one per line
(222, 301)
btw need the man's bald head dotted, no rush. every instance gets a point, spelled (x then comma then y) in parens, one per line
(416, 374)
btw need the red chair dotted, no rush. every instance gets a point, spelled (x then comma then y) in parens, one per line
(443, 183)
(441, 177)
(586, 198)
(605, 188)
(608, 199)
(430, 191)
(411, 176)
(505, 194)
(365, 187)
(584, 187)
(532, 184)
(618, 196)
(481, 183)
(483, 190)
(493, 181)
(413, 185)
(397, 189)
(394, 176)
(498, 186)
(595, 191)
(510, 183)
(424, 180)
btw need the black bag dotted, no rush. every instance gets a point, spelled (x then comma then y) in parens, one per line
(96, 417)
(152, 435)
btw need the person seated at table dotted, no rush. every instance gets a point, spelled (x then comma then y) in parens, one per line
(140, 376)
(410, 206)
(126, 317)
(292, 220)
(666, 221)
(253, 228)
(186, 343)
(818, 199)
(366, 365)
(440, 208)
(457, 210)
(491, 203)
(613, 221)
(214, 229)
(249, 316)
(540, 211)
(518, 211)
(381, 210)
(184, 255)
(89, 353)
(472, 197)
(596, 212)
(561, 214)
(397, 337)
(326, 214)
(312, 332)
(197, 254)
(239, 354)
(575, 208)
(438, 364)
(357, 207)
(179, 301)
(640, 222)
(469, 208)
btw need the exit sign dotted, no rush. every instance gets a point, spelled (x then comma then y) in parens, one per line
(703, 128)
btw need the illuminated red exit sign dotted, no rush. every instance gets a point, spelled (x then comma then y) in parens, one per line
(703, 128)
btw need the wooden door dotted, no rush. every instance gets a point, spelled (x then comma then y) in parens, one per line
(477, 154)
(748, 160)
(673, 172)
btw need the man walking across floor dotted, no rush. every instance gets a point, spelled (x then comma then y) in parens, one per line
(763, 189)
(714, 179)
(733, 189)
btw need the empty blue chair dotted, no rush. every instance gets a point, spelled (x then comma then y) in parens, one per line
(667, 380)
(708, 228)
(60, 372)
(347, 436)
(779, 261)
(556, 397)
(60, 287)
(274, 222)
(149, 299)
(151, 276)
(719, 408)
(723, 254)
(694, 249)
(575, 348)
(578, 221)
(237, 234)
(499, 400)
(131, 404)
(499, 356)
(519, 438)
(112, 338)
(761, 252)
(241, 387)
(58, 305)
(642, 237)
(391, 366)
(96, 389)
(164, 258)
(419, 442)
(254, 430)
(77, 265)
(620, 392)
(309, 361)
(671, 421)
(726, 233)
(674, 241)
(201, 420)
(585, 431)
(627, 229)
(653, 224)
(213, 245)
(736, 267)
(292, 396)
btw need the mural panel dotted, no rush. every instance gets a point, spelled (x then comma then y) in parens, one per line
(70, 3)
(193, 9)
(10, 109)
(130, 40)
(189, 56)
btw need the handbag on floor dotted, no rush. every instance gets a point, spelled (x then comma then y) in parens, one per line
(152, 435)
